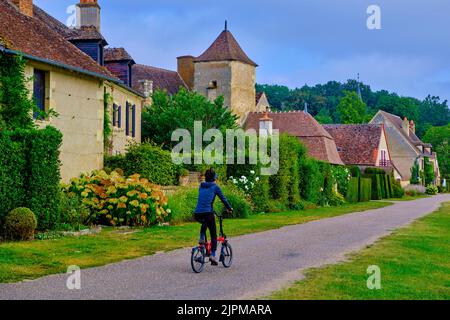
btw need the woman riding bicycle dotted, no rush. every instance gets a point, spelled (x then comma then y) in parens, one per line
(204, 212)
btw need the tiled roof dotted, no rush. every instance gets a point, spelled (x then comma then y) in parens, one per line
(225, 48)
(299, 124)
(357, 144)
(396, 120)
(117, 54)
(162, 79)
(85, 33)
(32, 37)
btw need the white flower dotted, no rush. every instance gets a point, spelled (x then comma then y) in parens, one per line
(235, 181)
(252, 172)
(257, 179)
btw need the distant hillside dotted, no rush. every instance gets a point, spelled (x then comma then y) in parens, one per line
(323, 99)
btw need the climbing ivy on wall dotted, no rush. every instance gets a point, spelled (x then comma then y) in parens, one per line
(107, 128)
(16, 107)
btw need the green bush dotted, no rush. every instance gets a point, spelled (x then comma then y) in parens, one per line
(149, 161)
(397, 190)
(355, 171)
(237, 200)
(20, 224)
(30, 173)
(432, 190)
(353, 190)
(365, 190)
(311, 180)
(336, 199)
(72, 212)
(43, 184)
(377, 185)
(12, 169)
(260, 195)
(341, 176)
(182, 204)
(374, 171)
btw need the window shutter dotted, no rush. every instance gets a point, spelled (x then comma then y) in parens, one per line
(119, 117)
(133, 121)
(127, 119)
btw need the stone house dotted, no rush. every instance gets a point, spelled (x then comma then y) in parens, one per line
(224, 69)
(363, 145)
(318, 141)
(405, 147)
(70, 78)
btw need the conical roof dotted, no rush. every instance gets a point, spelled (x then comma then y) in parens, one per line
(225, 48)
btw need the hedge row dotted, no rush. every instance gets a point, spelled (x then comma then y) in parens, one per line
(30, 173)
(359, 190)
(382, 184)
(147, 160)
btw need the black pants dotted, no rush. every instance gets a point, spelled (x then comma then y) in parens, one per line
(208, 221)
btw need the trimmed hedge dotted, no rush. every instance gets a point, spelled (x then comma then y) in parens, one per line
(147, 160)
(365, 189)
(353, 190)
(30, 173)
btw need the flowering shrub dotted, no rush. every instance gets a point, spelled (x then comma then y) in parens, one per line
(342, 177)
(116, 200)
(246, 184)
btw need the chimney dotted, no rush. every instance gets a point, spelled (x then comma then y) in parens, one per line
(88, 14)
(265, 124)
(146, 87)
(412, 126)
(186, 70)
(25, 6)
(405, 126)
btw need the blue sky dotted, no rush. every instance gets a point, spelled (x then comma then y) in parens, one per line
(295, 42)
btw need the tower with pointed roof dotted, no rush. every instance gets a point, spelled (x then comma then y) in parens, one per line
(224, 69)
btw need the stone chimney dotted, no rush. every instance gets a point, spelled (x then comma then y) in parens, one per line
(88, 14)
(412, 126)
(25, 6)
(186, 70)
(146, 87)
(265, 125)
(405, 126)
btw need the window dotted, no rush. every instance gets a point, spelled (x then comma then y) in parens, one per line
(212, 90)
(127, 119)
(39, 86)
(114, 121)
(133, 121)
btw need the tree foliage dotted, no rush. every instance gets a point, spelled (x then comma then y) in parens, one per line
(168, 113)
(351, 109)
(439, 137)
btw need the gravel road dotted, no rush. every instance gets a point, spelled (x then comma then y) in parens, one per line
(263, 262)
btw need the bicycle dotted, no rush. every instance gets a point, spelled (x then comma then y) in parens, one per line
(203, 251)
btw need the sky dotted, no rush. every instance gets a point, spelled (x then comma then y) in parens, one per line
(295, 42)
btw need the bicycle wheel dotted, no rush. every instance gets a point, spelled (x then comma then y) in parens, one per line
(226, 255)
(198, 260)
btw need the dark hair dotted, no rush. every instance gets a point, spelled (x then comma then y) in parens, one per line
(210, 175)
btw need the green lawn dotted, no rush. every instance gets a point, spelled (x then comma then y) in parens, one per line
(30, 260)
(414, 264)
(410, 198)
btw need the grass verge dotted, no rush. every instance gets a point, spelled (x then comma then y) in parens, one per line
(30, 260)
(414, 264)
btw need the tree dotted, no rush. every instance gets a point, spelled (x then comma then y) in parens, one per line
(324, 117)
(351, 109)
(428, 172)
(432, 112)
(168, 113)
(275, 94)
(415, 174)
(439, 137)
